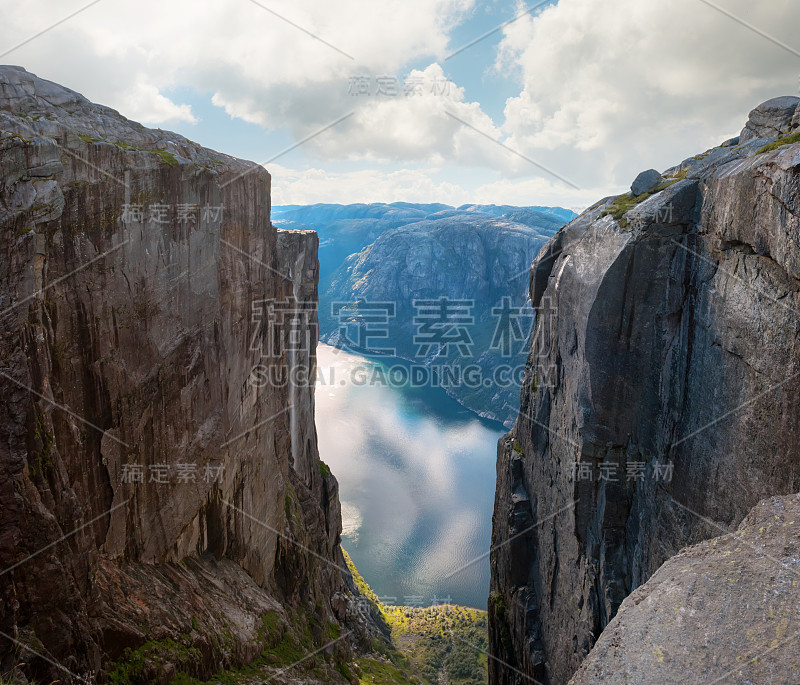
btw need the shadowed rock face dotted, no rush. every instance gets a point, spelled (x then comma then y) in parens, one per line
(725, 610)
(128, 342)
(661, 398)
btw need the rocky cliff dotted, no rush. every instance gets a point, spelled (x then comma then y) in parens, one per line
(160, 511)
(661, 400)
(724, 610)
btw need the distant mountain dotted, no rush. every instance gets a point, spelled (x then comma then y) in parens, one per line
(379, 263)
(530, 216)
(345, 229)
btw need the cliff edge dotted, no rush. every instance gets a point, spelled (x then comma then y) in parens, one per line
(160, 512)
(724, 610)
(661, 400)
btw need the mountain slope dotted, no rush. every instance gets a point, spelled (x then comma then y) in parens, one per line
(474, 260)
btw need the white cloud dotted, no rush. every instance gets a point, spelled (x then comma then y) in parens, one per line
(399, 471)
(246, 55)
(143, 102)
(431, 123)
(295, 187)
(539, 191)
(260, 67)
(612, 88)
(605, 89)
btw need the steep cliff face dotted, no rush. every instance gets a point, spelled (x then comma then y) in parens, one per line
(150, 490)
(661, 400)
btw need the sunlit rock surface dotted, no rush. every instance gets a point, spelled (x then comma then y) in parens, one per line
(725, 610)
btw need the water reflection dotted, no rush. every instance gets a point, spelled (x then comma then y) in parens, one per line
(417, 476)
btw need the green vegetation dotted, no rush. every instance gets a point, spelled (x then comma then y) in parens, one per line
(381, 672)
(41, 458)
(624, 203)
(786, 140)
(427, 642)
(131, 669)
(291, 505)
(270, 624)
(14, 134)
(428, 646)
(324, 469)
(284, 645)
(444, 640)
(365, 590)
(517, 447)
(166, 157)
(497, 606)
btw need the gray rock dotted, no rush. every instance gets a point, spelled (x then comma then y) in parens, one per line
(130, 342)
(771, 119)
(675, 206)
(645, 182)
(725, 610)
(672, 343)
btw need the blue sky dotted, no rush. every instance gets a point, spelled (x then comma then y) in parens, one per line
(562, 106)
(469, 68)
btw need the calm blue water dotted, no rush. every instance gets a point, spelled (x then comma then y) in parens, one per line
(417, 476)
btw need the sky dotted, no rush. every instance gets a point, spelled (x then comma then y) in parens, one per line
(456, 101)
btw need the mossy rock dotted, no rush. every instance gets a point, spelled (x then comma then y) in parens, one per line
(624, 203)
(791, 139)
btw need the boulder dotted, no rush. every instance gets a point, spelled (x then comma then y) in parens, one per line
(772, 119)
(646, 181)
(725, 610)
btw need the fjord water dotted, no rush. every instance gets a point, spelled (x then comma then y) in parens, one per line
(417, 477)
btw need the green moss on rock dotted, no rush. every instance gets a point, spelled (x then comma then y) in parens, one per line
(781, 142)
(624, 203)
(324, 469)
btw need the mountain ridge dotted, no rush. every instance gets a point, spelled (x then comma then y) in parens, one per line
(473, 254)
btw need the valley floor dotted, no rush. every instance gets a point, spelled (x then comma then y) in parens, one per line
(439, 645)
